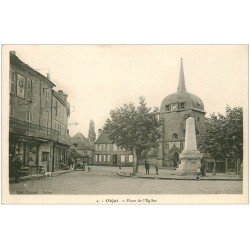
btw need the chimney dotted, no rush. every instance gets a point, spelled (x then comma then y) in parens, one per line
(99, 132)
(63, 95)
(48, 75)
(13, 52)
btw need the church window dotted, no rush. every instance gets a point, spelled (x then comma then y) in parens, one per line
(182, 105)
(175, 136)
(167, 107)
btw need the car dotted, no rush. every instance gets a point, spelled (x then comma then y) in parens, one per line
(79, 166)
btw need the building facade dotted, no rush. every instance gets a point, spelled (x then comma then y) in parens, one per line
(31, 118)
(81, 149)
(107, 153)
(175, 109)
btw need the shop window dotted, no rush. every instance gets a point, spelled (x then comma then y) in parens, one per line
(12, 81)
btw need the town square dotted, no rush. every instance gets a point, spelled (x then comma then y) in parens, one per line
(170, 138)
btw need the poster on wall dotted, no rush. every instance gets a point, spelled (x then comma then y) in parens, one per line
(20, 85)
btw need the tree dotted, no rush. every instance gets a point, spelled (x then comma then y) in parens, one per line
(92, 134)
(223, 137)
(134, 128)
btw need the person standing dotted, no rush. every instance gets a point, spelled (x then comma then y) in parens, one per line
(156, 169)
(16, 163)
(198, 174)
(147, 167)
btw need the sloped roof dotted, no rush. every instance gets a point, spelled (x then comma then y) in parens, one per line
(103, 138)
(81, 142)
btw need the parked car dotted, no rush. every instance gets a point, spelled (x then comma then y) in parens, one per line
(79, 166)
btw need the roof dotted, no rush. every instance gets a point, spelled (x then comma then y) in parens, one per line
(191, 101)
(79, 141)
(103, 138)
(14, 60)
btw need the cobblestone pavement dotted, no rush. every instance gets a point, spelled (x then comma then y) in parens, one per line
(104, 180)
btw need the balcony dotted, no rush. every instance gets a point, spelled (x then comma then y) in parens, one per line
(33, 130)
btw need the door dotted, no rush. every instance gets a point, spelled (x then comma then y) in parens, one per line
(176, 159)
(114, 160)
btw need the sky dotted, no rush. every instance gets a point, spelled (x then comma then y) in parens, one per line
(99, 78)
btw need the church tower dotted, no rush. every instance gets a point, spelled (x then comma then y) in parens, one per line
(175, 109)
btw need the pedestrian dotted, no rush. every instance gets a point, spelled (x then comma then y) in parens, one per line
(16, 164)
(203, 169)
(147, 167)
(198, 174)
(156, 169)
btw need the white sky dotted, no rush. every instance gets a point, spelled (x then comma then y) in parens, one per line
(98, 78)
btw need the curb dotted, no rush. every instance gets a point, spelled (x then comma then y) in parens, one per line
(179, 179)
(39, 176)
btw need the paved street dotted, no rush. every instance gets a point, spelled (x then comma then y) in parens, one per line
(104, 180)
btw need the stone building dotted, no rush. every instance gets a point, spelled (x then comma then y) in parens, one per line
(32, 130)
(81, 149)
(106, 153)
(175, 109)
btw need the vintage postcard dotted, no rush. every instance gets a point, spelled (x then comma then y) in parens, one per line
(125, 124)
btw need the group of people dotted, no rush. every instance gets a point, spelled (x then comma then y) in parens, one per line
(201, 171)
(147, 167)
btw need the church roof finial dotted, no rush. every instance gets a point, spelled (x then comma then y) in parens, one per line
(181, 84)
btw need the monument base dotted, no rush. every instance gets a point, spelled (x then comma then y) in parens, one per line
(190, 161)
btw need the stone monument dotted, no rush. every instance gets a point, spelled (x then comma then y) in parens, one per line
(190, 157)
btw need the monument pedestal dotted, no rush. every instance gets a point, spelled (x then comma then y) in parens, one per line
(190, 161)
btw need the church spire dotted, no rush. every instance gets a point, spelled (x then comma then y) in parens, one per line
(181, 84)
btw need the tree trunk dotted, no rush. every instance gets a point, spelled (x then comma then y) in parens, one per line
(214, 169)
(135, 165)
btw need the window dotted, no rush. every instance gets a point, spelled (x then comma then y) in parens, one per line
(182, 105)
(108, 147)
(12, 81)
(28, 116)
(167, 107)
(11, 109)
(175, 136)
(96, 147)
(108, 157)
(45, 156)
(114, 147)
(56, 108)
(100, 147)
(100, 157)
(29, 89)
(198, 118)
(122, 158)
(130, 158)
(104, 158)
(20, 85)
(96, 157)
(45, 93)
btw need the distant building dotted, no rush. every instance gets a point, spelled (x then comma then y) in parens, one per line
(32, 130)
(81, 149)
(107, 153)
